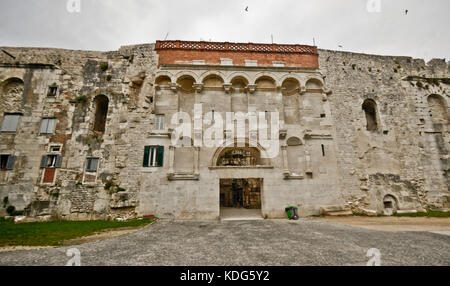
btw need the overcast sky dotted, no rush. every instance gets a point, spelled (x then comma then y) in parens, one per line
(109, 24)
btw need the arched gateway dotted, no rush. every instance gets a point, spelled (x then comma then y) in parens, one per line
(241, 181)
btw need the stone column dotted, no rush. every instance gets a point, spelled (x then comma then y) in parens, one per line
(196, 160)
(308, 162)
(285, 160)
(171, 159)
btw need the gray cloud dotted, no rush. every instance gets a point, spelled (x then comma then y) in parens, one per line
(109, 24)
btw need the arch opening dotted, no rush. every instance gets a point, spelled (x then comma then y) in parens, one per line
(390, 205)
(239, 156)
(314, 84)
(11, 94)
(290, 86)
(163, 80)
(101, 113)
(370, 109)
(186, 83)
(265, 82)
(213, 80)
(239, 82)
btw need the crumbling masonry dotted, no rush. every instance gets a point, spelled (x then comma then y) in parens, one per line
(86, 135)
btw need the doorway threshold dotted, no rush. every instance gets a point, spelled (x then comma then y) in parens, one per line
(236, 214)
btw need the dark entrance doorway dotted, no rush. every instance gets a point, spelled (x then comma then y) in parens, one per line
(240, 198)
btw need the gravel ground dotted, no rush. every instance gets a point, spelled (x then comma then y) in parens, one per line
(249, 243)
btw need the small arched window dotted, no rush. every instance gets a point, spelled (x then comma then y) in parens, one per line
(186, 84)
(101, 111)
(213, 81)
(265, 82)
(163, 80)
(370, 109)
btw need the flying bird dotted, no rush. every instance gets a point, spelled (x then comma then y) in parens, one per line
(339, 46)
(246, 9)
(406, 12)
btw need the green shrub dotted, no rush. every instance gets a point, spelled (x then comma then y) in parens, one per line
(109, 184)
(104, 66)
(108, 77)
(425, 214)
(81, 99)
(57, 233)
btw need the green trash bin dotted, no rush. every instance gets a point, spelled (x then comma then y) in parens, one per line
(292, 212)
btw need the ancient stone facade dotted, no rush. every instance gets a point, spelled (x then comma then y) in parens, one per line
(87, 135)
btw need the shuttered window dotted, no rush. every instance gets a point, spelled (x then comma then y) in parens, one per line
(10, 122)
(7, 162)
(153, 156)
(91, 165)
(48, 126)
(51, 161)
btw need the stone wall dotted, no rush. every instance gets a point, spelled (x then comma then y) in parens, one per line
(123, 76)
(406, 157)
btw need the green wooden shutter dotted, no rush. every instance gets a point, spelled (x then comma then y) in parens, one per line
(44, 161)
(146, 155)
(10, 162)
(58, 162)
(160, 156)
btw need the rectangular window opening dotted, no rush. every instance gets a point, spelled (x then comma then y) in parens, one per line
(4, 161)
(10, 122)
(153, 156)
(55, 149)
(51, 161)
(92, 165)
(52, 90)
(47, 126)
(159, 125)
